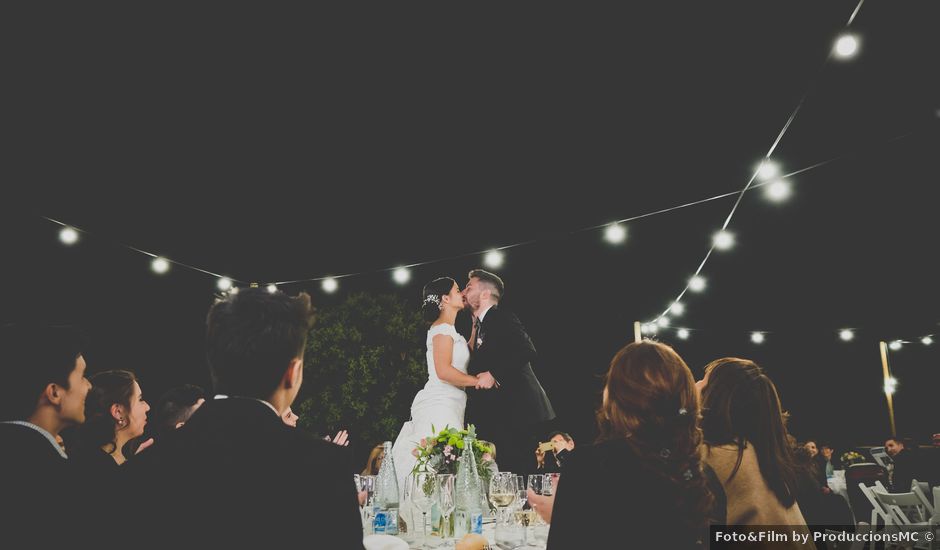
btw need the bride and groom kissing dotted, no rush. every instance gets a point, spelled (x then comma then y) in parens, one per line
(506, 401)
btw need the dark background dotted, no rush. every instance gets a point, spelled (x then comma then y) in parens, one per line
(272, 147)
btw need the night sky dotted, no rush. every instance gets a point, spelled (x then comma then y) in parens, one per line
(360, 142)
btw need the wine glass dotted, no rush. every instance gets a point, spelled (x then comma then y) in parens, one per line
(535, 483)
(448, 502)
(523, 516)
(521, 495)
(502, 491)
(424, 493)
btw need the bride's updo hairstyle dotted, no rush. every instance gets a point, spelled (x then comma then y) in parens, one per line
(431, 297)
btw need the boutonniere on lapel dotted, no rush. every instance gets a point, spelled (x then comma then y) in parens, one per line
(479, 341)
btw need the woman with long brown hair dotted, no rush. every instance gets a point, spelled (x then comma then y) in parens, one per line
(643, 482)
(746, 443)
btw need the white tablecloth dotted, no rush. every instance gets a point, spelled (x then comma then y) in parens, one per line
(536, 536)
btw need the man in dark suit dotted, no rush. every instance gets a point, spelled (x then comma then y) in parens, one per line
(235, 474)
(509, 405)
(42, 392)
(906, 465)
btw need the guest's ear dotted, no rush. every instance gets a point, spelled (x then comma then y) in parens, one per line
(294, 374)
(52, 394)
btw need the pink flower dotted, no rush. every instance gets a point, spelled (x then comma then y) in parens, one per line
(424, 442)
(487, 457)
(448, 449)
(414, 453)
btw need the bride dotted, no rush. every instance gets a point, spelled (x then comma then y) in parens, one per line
(443, 400)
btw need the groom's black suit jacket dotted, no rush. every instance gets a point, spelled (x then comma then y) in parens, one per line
(506, 351)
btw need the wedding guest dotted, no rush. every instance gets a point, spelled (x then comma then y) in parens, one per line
(819, 505)
(906, 468)
(649, 446)
(817, 469)
(374, 464)
(42, 392)
(261, 483)
(563, 444)
(115, 413)
(828, 461)
(174, 409)
(746, 445)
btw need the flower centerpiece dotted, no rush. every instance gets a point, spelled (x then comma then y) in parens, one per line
(851, 457)
(440, 452)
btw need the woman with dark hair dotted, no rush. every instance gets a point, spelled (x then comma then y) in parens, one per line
(642, 484)
(746, 442)
(443, 400)
(115, 413)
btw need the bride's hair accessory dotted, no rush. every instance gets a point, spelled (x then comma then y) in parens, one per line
(433, 299)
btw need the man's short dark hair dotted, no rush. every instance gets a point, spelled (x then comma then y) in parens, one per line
(175, 406)
(31, 358)
(491, 279)
(251, 338)
(567, 437)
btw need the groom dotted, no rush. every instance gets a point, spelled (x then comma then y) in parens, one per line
(509, 411)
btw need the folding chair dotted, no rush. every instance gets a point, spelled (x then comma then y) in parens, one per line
(880, 456)
(879, 512)
(900, 505)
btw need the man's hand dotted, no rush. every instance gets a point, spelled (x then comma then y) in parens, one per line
(341, 438)
(143, 446)
(540, 457)
(485, 381)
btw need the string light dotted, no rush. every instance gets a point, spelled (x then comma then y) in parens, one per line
(926, 340)
(683, 333)
(493, 259)
(329, 285)
(895, 345)
(234, 290)
(846, 335)
(846, 46)
(778, 191)
(615, 233)
(697, 283)
(224, 283)
(891, 385)
(768, 170)
(68, 236)
(160, 265)
(663, 321)
(645, 328)
(677, 309)
(723, 240)
(401, 275)
(272, 288)
(757, 337)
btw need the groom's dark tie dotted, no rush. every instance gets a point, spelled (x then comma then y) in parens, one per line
(477, 326)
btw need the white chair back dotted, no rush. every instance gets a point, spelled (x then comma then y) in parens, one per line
(878, 511)
(920, 489)
(902, 504)
(935, 518)
(880, 456)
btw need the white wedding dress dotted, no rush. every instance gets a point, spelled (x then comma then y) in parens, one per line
(439, 404)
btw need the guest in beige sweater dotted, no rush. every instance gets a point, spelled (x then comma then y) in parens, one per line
(746, 445)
